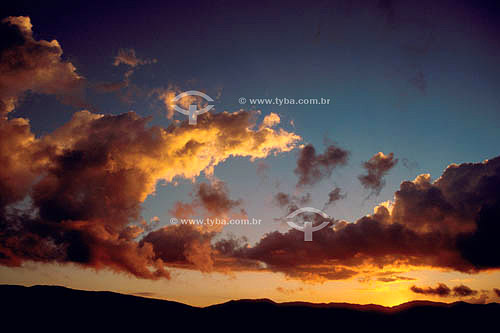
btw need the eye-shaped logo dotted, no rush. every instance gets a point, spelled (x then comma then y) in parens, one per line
(192, 112)
(308, 228)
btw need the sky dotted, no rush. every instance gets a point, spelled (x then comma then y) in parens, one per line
(103, 184)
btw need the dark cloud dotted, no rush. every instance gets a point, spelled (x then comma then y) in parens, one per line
(312, 168)
(410, 165)
(462, 291)
(481, 299)
(126, 90)
(213, 198)
(334, 196)
(377, 167)
(441, 290)
(182, 246)
(481, 246)
(34, 65)
(395, 278)
(497, 291)
(288, 291)
(291, 202)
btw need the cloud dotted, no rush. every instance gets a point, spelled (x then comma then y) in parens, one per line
(442, 290)
(86, 182)
(289, 291)
(312, 168)
(75, 195)
(462, 291)
(262, 170)
(291, 202)
(497, 291)
(409, 164)
(377, 167)
(167, 95)
(214, 197)
(481, 299)
(395, 279)
(270, 120)
(33, 65)
(128, 57)
(334, 196)
(182, 246)
(449, 223)
(126, 90)
(210, 200)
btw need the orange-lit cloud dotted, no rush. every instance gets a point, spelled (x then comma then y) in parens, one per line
(88, 179)
(33, 65)
(166, 96)
(129, 58)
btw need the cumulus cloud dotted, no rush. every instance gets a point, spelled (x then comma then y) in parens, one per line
(450, 223)
(376, 168)
(312, 168)
(33, 65)
(87, 180)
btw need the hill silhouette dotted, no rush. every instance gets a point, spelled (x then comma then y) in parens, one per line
(54, 308)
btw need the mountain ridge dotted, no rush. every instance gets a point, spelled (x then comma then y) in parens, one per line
(57, 307)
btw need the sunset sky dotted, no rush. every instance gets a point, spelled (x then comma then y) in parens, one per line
(95, 163)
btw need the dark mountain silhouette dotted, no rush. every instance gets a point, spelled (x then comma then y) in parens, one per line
(54, 308)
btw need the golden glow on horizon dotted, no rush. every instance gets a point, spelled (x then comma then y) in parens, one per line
(200, 289)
